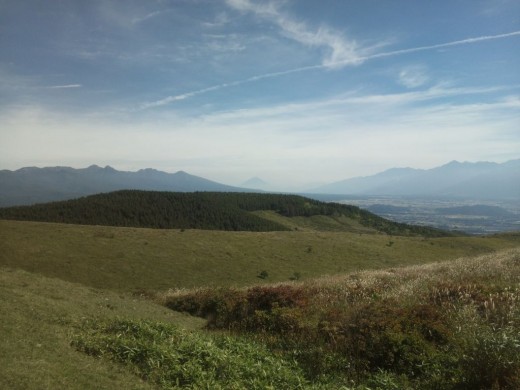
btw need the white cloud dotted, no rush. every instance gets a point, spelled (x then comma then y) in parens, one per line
(288, 145)
(341, 50)
(220, 20)
(409, 78)
(224, 43)
(67, 86)
(413, 76)
(148, 16)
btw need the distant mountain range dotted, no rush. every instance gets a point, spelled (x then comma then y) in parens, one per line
(481, 180)
(37, 185)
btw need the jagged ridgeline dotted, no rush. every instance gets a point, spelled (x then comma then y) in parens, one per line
(201, 210)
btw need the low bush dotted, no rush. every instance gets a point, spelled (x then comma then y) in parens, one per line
(174, 358)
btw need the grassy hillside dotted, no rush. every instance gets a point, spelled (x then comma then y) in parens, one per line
(38, 317)
(449, 325)
(71, 318)
(206, 210)
(129, 259)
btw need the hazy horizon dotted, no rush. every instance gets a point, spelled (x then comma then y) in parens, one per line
(265, 185)
(293, 92)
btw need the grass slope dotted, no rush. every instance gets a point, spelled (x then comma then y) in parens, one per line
(445, 325)
(129, 259)
(38, 315)
(449, 325)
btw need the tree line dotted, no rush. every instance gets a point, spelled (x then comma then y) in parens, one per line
(199, 210)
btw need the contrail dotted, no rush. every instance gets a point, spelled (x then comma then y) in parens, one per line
(441, 45)
(171, 99)
(65, 86)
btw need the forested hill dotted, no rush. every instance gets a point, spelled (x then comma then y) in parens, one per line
(199, 210)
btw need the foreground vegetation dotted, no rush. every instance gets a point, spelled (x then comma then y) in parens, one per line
(174, 358)
(39, 317)
(438, 326)
(205, 210)
(450, 325)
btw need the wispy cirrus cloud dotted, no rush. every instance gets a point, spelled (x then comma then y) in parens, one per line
(296, 136)
(184, 96)
(148, 16)
(468, 41)
(413, 76)
(348, 105)
(66, 86)
(342, 51)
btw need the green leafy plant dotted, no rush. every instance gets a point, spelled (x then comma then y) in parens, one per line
(174, 358)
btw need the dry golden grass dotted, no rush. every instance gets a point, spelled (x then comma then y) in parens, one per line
(412, 281)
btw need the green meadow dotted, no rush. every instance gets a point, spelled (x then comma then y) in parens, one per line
(39, 315)
(132, 259)
(337, 306)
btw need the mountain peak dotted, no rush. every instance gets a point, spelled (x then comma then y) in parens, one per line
(97, 168)
(255, 182)
(453, 163)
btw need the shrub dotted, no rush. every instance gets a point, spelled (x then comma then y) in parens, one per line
(489, 356)
(174, 358)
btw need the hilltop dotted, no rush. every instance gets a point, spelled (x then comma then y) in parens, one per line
(211, 211)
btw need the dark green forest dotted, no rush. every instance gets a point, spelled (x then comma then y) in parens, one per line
(200, 210)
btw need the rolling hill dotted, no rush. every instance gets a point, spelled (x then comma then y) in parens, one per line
(210, 211)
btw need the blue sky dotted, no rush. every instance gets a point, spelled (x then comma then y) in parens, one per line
(297, 92)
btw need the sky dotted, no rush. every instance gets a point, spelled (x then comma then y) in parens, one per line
(296, 92)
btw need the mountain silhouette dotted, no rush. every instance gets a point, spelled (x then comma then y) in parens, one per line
(36, 185)
(481, 180)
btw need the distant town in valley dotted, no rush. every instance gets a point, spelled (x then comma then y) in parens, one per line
(465, 215)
